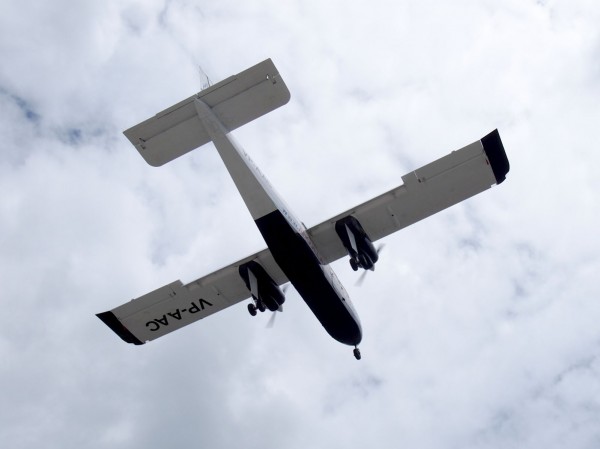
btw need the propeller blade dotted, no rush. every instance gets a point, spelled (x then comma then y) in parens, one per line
(361, 279)
(271, 321)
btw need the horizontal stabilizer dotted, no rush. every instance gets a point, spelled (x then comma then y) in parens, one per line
(235, 101)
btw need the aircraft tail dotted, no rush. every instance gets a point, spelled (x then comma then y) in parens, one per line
(235, 101)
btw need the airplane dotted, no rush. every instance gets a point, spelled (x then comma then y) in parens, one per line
(294, 253)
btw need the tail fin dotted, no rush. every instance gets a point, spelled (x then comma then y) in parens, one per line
(236, 101)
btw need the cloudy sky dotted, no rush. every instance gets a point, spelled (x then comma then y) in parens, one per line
(481, 324)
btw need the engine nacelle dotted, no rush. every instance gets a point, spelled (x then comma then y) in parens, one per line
(358, 244)
(262, 287)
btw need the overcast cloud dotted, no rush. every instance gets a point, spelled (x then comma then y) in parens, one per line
(481, 324)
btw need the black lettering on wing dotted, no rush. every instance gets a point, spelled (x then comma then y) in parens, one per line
(153, 323)
(176, 314)
(194, 308)
(163, 320)
(203, 302)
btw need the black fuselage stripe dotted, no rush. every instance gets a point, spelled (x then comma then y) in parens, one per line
(300, 264)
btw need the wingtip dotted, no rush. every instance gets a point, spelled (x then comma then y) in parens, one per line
(494, 149)
(117, 327)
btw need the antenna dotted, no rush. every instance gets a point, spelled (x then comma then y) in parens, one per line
(204, 80)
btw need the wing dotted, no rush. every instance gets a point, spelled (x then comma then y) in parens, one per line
(176, 305)
(424, 192)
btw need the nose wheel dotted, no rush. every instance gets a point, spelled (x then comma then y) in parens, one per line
(356, 352)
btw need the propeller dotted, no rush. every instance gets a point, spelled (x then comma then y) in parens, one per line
(271, 321)
(362, 277)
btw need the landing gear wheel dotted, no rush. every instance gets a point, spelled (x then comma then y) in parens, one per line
(252, 309)
(260, 306)
(353, 264)
(356, 353)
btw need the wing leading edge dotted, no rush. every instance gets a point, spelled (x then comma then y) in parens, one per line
(176, 305)
(424, 192)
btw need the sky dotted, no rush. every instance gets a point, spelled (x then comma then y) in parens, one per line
(480, 323)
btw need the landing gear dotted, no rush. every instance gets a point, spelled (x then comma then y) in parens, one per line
(265, 292)
(252, 309)
(356, 353)
(256, 306)
(358, 244)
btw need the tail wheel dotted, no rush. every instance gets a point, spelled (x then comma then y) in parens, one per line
(357, 353)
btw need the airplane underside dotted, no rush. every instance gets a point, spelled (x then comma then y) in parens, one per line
(293, 254)
(302, 267)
